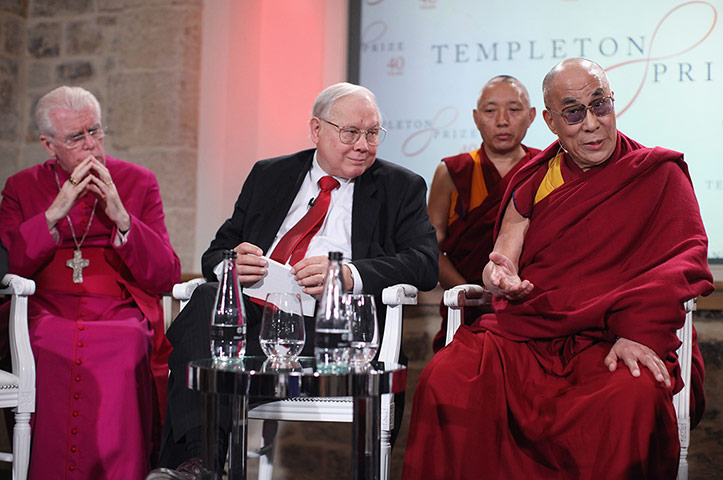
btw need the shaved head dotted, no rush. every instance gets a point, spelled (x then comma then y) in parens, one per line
(506, 79)
(568, 64)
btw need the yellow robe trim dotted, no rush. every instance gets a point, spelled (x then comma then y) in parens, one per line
(552, 180)
(479, 188)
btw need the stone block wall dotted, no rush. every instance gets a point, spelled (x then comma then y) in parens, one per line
(141, 58)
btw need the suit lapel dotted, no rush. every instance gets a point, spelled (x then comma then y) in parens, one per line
(365, 213)
(282, 191)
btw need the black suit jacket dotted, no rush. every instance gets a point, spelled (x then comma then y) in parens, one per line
(392, 242)
(392, 238)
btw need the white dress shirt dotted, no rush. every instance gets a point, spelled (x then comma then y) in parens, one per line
(335, 233)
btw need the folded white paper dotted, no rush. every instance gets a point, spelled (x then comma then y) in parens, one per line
(278, 279)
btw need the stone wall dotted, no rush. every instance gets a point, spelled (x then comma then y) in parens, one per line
(141, 58)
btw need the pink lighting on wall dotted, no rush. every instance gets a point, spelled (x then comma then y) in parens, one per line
(262, 65)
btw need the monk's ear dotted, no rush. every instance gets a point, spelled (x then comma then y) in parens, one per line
(533, 113)
(476, 116)
(548, 120)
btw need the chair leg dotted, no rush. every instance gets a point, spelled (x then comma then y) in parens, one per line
(385, 454)
(266, 452)
(683, 469)
(21, 446)
(684, 438)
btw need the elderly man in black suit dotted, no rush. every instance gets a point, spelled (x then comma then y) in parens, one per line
(376, 216)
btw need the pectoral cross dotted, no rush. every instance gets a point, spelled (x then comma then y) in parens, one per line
(77, 263)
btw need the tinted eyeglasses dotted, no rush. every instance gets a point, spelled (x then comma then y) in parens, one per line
(576, 113)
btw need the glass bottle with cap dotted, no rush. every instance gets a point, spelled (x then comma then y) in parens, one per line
(332, 336)
(228, 326)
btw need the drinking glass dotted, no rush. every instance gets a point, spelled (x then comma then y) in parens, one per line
(282, 335)
(362, 313)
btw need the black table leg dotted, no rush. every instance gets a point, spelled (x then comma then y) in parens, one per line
(238, 445)
(366, 438)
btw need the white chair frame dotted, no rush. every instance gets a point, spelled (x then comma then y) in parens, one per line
(456, 298)
(17, 389)
(338, 409)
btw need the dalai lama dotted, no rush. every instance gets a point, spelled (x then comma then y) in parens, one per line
(600, 243)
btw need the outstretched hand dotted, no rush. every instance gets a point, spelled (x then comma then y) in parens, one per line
(633, 354)
(501, 279)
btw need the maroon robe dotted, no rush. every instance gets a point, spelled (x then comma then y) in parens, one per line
(524, 392)
(469, 238)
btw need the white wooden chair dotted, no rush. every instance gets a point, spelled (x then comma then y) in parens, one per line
(17, 389)
(329, 409)
(456, 298)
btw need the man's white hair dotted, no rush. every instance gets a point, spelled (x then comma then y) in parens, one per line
(325, 100)
(74, 99)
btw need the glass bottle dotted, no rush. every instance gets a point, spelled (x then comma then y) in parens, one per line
(228, 326)
(332, 347)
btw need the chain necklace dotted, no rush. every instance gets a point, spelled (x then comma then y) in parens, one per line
(77, 263)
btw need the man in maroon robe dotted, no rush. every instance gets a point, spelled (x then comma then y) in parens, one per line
(467, 189)
(574, 373)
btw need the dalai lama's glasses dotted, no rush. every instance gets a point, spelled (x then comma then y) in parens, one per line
(351, 135)
(576, 113)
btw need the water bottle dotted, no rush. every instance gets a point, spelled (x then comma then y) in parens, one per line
(228, 326)
(332, 339)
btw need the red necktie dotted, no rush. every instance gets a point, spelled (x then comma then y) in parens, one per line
(296, 240)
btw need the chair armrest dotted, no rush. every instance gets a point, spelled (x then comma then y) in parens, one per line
(394, 297)
(16, 285)
(183, 291)
(681, 400)
(400, 294)
(21, 353)
(458, 297)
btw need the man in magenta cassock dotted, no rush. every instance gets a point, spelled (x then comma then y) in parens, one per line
(89, 230)
(599, 244)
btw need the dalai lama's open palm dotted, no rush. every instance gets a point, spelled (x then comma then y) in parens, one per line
(501, 279)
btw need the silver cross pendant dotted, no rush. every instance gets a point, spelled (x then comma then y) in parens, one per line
(77, 263)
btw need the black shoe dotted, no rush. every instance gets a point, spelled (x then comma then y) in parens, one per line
(189, 470)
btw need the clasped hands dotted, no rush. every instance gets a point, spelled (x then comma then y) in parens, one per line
(93, 176)
(309, 273)
(501, 279)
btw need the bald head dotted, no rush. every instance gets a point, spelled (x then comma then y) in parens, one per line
(571, 66)
(509, 79)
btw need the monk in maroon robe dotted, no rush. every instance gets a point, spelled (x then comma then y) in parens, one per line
(467, 188)
(600, 244)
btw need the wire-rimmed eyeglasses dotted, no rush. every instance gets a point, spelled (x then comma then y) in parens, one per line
(75, 140)
(350, 135)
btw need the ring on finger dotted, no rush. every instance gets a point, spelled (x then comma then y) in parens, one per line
(109, 183)
(73, 181)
